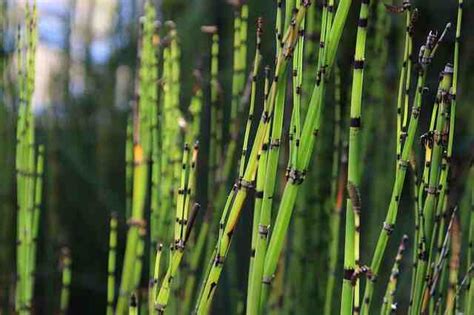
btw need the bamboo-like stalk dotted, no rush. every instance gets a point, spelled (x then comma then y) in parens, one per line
(176, 255)
(350, 289)
(216, 110)
(142, 140)
(422, 246)
(237, 71)
(213, 147)
(156, 152)
(171, 139)
(417, 249)
(309, 134)
(38, 191)
(272, 153)
(183, 226)
(258, 235)
(66, 280)
(261, 160)
(241, 188)
(129, 167)
(444, 183)
(433, 280)
(444, 101)
(139, 255)
(295, 124)
(26, 164)
(111, 265)
(453, 268)
(389, 305)
(244, 14)
(405, 75)
(195, 108)
(196, 255)
(153, 289)
(181, 217)
(253, 90)
(388, 225)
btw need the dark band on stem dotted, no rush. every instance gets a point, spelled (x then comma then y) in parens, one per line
(359, 64)
(355, 122)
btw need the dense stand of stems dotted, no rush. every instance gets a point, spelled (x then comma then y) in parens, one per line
(309, 134)
(162, 181)
(241, 188)
(391, 216)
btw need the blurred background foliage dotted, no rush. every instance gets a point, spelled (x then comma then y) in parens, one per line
(86, 62)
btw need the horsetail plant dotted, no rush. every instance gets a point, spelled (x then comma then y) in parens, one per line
(350, 289)
(309, 134)
(143, 109)
(442, 206)
(170, 133)
(241, 188)
(389, 305)
(454, 263)
(29, 165)
(129, 167)
(437, 268)
(254, 273)
(427, 53)
(405, 74)
(156, 153)
(153, 287)
(111, 265)
(66, 276)
(163, 186)
(443, 99)
(271, 157)
(177, 251)
(36, 218)
(184, 223)
(245, 144)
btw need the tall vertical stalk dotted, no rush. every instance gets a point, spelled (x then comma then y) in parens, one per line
(443, 99)
(388, 301)
(350, 289)
(405, 75)
(27, 164)
(261, 159)
(143, 110)
(389, 223)
(244, 184)
(111, 265)
(309, 134)
(66, 280)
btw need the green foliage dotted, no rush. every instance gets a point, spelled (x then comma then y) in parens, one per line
(274, 208)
